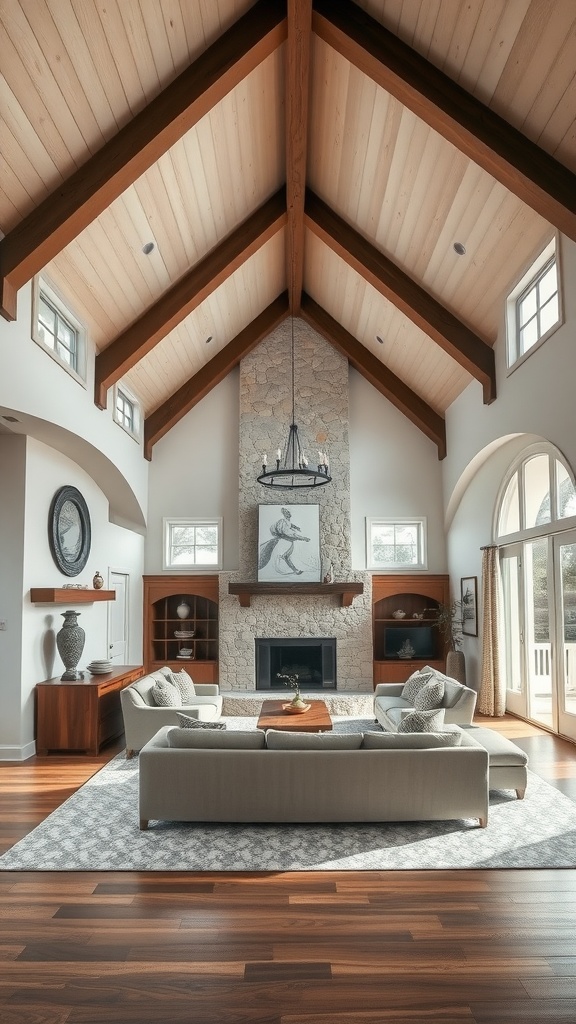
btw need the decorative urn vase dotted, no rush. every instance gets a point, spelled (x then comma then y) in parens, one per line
(98, 581)
(183, 610)
(70, 643)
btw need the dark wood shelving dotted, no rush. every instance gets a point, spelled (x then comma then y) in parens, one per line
(162, 595)
(345, 591)
(69, 595)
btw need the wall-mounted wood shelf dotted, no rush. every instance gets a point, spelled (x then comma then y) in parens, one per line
(345, 591)
(69, 595)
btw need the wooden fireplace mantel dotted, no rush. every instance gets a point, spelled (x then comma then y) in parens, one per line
(345, 591)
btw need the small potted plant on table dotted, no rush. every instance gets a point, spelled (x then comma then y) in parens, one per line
(297, 703)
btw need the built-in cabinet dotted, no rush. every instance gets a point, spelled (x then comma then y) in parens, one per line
(181, 625)
(403, 616)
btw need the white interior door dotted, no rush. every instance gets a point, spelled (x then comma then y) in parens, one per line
(118, 618)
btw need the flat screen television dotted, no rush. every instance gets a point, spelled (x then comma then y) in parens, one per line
(421, 638)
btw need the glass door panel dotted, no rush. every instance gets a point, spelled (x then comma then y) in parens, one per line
(541, 707)
(512, 623)
(565, 551)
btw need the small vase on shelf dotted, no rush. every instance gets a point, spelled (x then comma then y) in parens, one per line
(183, 610)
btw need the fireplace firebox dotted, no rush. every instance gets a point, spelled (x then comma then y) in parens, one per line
(312, 659)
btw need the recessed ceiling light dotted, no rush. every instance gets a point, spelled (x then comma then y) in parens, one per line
(459, 248)
(379, 339)
(208, 340)
(11, 419)
(148, 248)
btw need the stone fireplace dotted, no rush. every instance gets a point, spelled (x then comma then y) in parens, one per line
(321, 390)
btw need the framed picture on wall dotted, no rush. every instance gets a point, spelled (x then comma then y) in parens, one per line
(289, 544)
(469, 600)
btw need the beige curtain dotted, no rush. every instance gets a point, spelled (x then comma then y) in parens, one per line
(492, 696)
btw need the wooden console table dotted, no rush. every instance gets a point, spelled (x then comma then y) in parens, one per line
(84, 714)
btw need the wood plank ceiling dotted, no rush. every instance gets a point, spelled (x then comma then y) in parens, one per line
(311, 156)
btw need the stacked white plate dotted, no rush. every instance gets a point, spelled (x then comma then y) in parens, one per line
(100, 668)
(184, 634)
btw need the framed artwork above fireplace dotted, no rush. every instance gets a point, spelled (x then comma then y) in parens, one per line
(289, 543)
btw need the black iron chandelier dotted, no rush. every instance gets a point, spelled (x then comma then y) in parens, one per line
(292, 468)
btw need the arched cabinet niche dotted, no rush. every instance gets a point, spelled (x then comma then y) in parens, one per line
(173, 607)
(405, 643)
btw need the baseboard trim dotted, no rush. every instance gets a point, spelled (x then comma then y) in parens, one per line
(18, 753)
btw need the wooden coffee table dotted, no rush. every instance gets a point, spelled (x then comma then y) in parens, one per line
(273, 716)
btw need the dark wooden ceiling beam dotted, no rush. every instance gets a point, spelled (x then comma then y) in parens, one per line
(426, 312)
(534, 176)
(383, 379)
(197, 387)
(121, 161)
(296, 105)
(174, 306)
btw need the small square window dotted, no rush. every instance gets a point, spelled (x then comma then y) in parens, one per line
(533, 307)
(192, 544)
(126, 411)
(56, 329)
(396, 544)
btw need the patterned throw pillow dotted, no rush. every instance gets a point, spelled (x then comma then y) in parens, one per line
(422, 721)
(183, 682)
(414, 684)
(430, 696)
(165, 695)
(186, 722)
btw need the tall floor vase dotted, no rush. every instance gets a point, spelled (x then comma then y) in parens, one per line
(70, 643)
(456, 666)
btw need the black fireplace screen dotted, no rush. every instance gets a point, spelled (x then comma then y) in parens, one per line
(312, 659)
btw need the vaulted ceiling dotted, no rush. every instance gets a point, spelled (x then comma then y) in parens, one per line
(312, 157)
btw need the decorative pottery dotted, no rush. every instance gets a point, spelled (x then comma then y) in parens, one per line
(406, 650)
(329, 575)
(183, 610)
(398, 614)
(70, 643)
(98, 581)
(296, 709)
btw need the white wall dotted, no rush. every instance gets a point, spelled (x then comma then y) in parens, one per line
(12, 505)
(394, 471)
(34, 385)
(535, 402)
(537, 398)
(194, 472)
(44, 472)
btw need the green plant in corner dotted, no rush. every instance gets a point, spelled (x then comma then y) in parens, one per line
(448, 621)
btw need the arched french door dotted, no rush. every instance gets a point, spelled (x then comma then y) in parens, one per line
(536, 531)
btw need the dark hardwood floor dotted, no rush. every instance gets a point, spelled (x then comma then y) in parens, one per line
(433, 947)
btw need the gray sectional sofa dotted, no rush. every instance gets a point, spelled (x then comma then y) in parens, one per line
(207, 775)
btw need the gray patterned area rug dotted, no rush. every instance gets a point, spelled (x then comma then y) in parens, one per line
(96, 829)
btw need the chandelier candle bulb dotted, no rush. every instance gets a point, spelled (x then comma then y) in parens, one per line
(279, 454)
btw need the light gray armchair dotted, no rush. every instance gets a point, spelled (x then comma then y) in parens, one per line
(142, 719)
